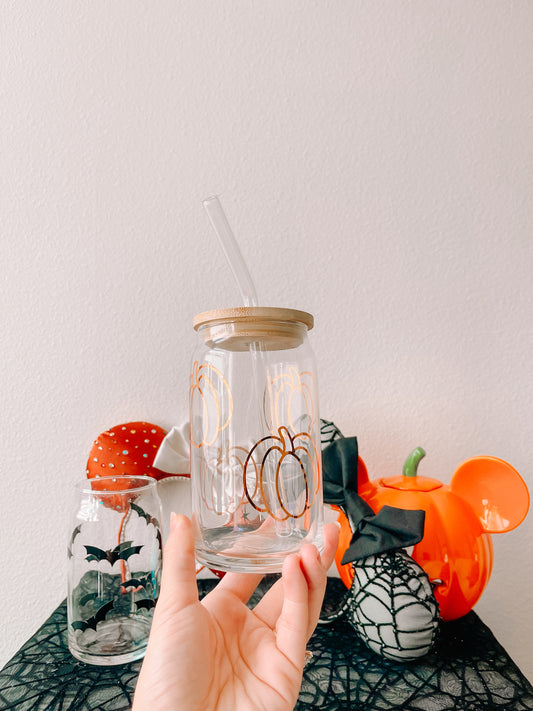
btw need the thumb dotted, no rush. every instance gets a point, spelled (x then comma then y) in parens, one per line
(178, 578)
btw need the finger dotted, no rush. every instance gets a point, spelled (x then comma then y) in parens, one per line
(315, 569)
(178, 578)
(291, 629)
(331, 541)
(242, 585)
(269, 607)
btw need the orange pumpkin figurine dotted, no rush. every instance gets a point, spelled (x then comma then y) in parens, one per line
(486, 495)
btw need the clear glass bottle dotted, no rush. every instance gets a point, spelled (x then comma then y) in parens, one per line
(255, 438)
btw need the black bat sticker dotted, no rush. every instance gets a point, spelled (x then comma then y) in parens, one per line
(74, 534)
(149, 520)
(137, 582)
(121, 552)
(92, 622)
(146, 604)
(142, 513)
(87, 598)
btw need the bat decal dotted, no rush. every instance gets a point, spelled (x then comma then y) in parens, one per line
(146, 604)
(74, 534)
(121, 552)
(137, 582)
(142, 513)
(87, 598)
(149, 520)
(92, 622)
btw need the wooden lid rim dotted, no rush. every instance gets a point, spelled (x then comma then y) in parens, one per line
(244, 314)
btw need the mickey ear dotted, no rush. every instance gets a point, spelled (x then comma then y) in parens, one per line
(495, 490)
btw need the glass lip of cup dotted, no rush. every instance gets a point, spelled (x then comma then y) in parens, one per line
(141, 483)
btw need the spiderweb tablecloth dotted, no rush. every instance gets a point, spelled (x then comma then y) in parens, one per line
(468, 671)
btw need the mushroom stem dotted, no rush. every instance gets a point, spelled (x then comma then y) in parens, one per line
(410, 468)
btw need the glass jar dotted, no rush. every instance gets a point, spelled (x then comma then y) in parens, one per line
(255, 438)
(114, 568)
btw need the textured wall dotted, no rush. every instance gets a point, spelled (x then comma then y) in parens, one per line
(375, 160)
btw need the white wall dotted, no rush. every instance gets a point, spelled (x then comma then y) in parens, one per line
(375, 160)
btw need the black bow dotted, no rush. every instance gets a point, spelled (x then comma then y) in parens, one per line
(390, 529)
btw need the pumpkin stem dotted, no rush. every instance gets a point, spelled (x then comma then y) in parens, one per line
(285, 438)
(410, 468)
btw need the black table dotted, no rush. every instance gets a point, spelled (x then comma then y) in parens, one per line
(468, 671)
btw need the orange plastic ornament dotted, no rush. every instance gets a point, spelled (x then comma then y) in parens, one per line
(486, 495)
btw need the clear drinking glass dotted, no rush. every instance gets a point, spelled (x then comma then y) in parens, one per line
(114, 568)
(255, 438)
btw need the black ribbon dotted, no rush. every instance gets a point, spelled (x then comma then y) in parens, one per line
(388, 530)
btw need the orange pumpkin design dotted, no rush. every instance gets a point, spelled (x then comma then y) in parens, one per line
(271, 494)
(211, 396)
(290, 396)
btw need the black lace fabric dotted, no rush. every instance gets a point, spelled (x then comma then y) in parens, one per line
(468, 670)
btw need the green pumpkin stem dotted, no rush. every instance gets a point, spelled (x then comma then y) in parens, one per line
(410, 468)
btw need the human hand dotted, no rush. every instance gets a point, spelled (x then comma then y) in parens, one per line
(218, 654)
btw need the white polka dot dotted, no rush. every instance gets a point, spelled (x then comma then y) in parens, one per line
(95, 459)
(125, 451)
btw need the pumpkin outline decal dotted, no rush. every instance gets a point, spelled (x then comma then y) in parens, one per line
(285, 445)
(234, 457)
(295, 383)
(209, 395)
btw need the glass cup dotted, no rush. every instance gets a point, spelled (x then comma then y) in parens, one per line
(255, 439)
(114, 568)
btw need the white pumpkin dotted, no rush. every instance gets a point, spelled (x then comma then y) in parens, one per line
(391, 606)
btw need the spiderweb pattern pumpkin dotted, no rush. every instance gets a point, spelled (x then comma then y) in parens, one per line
(390, 602)
(391, 606)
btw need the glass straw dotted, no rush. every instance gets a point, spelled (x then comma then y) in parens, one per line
(233, 254)
(231, 250)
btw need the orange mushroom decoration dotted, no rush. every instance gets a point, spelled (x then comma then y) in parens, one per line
(486, 495)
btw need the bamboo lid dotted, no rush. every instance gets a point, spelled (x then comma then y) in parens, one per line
(237, 328)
